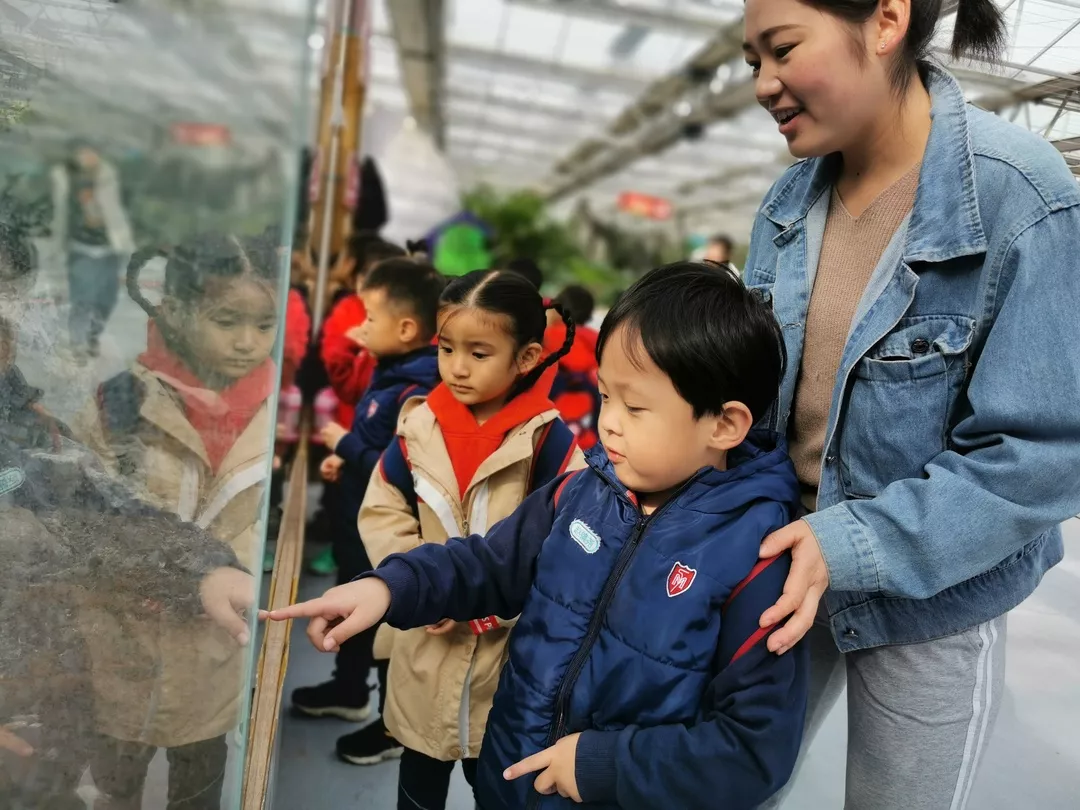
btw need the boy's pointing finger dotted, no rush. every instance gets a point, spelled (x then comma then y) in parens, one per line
(303, 610)
(537, 762)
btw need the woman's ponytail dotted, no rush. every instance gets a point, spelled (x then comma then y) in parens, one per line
(530, 379)
(979, 30)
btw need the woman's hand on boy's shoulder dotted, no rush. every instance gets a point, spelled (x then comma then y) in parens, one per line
(557, 766)
(340, 613)
(806, 584)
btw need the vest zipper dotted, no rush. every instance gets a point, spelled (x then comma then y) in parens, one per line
(573, 669)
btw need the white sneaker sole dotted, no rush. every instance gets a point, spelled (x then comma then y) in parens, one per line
(383, 756)
(340, 712)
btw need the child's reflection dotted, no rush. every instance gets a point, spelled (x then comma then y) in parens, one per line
(73, 537)
(189, 425)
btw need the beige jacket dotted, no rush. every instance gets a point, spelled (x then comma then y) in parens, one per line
(160, 679)
(441, 687)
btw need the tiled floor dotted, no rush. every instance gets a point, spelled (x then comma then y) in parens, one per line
(1033, 762)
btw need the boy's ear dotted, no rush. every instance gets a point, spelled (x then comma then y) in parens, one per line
(730, 427)
(529, 357)
(408, 330)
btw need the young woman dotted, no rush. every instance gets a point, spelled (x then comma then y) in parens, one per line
(922, 263)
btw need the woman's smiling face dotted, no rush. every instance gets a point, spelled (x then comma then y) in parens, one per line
(816, 75)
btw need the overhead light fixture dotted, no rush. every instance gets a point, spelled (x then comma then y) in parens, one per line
(316, 42)
(717, 85)
(683, 109)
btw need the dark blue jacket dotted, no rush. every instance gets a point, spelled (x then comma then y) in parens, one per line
(641, 632)
(395, 380)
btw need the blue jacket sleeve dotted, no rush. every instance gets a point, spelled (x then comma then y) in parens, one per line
(1014, 472)
(365, 442)
(472, 576)
(743, 746)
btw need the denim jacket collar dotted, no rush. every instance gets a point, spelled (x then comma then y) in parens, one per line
(945, 222)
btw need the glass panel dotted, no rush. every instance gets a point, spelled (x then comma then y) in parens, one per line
(137, 398)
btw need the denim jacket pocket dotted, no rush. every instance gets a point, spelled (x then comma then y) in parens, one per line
(902, 402)
(762, 292)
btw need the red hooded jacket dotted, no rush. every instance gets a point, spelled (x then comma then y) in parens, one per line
(348, 365)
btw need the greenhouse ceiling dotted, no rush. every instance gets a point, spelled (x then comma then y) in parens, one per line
(572, 97)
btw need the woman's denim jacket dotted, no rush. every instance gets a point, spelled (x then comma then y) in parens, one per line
(953, 447)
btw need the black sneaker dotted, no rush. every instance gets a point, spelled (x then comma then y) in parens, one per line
(331, 699)
(369, 746)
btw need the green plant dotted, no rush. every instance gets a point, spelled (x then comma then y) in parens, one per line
(522, 228)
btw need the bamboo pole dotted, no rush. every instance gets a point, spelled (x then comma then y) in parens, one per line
(341, 116)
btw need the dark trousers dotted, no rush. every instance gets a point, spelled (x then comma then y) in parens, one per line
(355, 658)
(94, 285)
(423, 782)
(196, 772)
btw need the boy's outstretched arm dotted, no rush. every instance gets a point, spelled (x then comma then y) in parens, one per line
(472, 576)
(466, 578)
(743, 747)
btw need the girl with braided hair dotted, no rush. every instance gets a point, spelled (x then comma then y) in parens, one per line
(483, 439)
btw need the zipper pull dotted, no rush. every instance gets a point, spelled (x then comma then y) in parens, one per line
(465, 527)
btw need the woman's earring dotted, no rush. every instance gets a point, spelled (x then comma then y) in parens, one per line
(881, 47)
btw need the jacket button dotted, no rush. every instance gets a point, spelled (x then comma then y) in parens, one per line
(455, 752)
(851, 632)
(830, 459)
(920, 346)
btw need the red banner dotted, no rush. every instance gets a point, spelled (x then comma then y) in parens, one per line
(190, 133)
(645, 205)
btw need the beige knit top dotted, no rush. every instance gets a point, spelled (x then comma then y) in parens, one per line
(850, 250)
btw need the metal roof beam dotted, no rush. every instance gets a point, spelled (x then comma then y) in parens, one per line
(541, 69)
(686, 24)
(649, 124)
(418, 28)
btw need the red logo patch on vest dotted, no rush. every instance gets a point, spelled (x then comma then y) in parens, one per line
(374, 406)
(680, 579)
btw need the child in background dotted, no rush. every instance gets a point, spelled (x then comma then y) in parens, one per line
(638, 675)
(480, 442)
(342, 350)
(528, 270)
(348, 366)
(187, 425)
(575, 392)
(401, 298)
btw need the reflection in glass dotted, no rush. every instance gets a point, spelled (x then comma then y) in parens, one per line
(146, 163)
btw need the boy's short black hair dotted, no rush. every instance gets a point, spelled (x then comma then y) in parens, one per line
(578, 303)
(367, 248)
(414, 285)
(529, 269)
(717, 341)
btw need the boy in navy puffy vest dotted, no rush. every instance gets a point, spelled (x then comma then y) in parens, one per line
(638, 674)
(401, 298)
